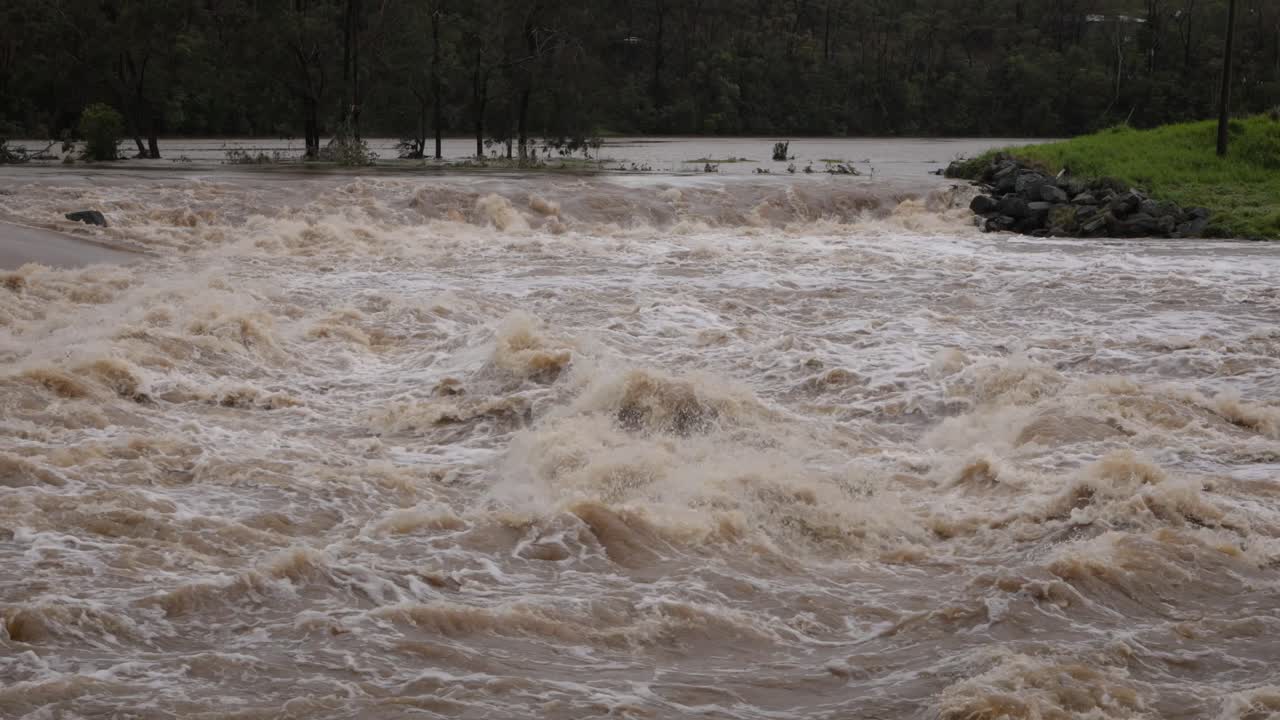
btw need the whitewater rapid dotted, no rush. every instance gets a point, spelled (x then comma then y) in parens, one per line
(391, 447)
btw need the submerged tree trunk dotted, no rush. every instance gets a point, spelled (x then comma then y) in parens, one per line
(312, 127)
(153, 139)
(522, 124)
(351, 68)
(522, 109)
(135, 127)
(479, 99)
(420, 142)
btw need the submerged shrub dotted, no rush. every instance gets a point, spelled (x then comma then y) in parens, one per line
(411, 148)
(101, 127)
(346, 149)
(780, 150)
(10, 155)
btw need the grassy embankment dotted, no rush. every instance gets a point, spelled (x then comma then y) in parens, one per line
(1179, 163)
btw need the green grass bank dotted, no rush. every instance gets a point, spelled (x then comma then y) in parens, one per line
(1179, 163)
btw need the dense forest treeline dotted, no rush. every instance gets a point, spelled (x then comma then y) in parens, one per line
(504, 70)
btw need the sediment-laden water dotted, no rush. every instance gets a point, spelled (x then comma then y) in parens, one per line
(387, 447)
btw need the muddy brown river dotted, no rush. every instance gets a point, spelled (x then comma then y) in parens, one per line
(487, 446)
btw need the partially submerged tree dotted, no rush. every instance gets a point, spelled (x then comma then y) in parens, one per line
(484, 58)
(366, 25)
(308, 44)
(101, 127)
(421, 70)
(141, 54)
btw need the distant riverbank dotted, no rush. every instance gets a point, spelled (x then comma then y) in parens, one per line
(896, 158)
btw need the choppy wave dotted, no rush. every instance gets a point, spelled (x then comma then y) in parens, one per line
(582, 447)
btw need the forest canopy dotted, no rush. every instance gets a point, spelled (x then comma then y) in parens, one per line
(513, 69)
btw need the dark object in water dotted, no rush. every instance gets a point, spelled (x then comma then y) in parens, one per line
(88, 217)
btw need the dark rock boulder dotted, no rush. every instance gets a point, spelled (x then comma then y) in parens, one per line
(984, 205)
(1193, 228)
(1004, 168)
(89, 217)
(1013, 206)
(1149, 207)
(1136, 225)
(1037, 216)
(1125, 203)
(1029, 183)
(1052, 194)
(1006, 184)
(1094, 226)
(1000, 223)
(1073, 186)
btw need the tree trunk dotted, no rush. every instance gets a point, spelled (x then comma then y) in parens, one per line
(522, 124)
(826, 33)
(153, 124)
(312, 125)
(420, 136)
(1224, 101)
(355, 77)
(659, 95)
(480, 98)
(522, 117)
(435, 79)
(351, 68)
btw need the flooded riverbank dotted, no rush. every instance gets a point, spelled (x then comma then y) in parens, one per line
(895, 159)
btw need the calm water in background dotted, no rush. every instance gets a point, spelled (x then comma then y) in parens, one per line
(893, 158)
(493, 445)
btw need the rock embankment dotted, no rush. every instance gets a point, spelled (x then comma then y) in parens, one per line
(1017, 197)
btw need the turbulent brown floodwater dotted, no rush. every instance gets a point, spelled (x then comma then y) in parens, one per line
(388, 447)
